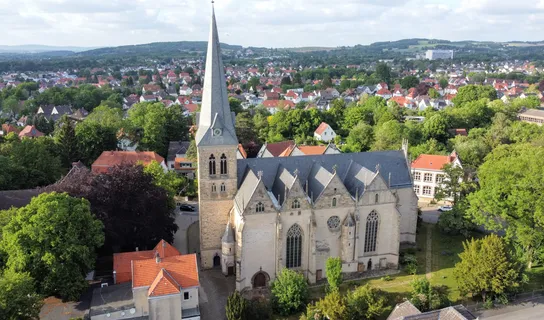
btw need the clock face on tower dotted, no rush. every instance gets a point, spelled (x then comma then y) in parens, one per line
(217, 132)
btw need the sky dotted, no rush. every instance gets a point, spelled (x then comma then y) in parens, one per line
(266, 23)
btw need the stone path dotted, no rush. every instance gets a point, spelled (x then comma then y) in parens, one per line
(429, 254)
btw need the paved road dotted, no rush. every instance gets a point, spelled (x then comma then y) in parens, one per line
(522, 311)
(184, 220)
(430, 214)
(214, 291)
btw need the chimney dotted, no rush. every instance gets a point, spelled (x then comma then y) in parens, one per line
(137, 249)
(157, 258)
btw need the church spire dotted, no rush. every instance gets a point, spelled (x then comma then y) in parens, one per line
(215, 121)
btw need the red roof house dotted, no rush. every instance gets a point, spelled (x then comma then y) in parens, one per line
(110, 159)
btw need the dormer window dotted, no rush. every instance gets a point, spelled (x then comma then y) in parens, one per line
(295, 204)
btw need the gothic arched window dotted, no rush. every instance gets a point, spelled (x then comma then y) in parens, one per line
(260, 207)
(371, 233)
(223, 164)
(212, 165)
(334, 202)
(223, 187)
(295, 204)
(293, 257)
(214, 188)
(376, 198)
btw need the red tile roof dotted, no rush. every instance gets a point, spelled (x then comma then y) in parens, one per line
(433, 162)
(277, 103)
(312, 150)
(30, 132)
(322, 127)
(277, 148)
(182, 269)
(122, 261)
(242, 151)
(109, 159)
(163, 284)
(8, 128)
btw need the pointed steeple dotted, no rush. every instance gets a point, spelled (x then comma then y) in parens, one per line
(215, 121)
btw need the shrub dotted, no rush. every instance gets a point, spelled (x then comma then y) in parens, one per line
(454, 222)
(426, 297)
(289, 292)
(411, 268)
(387, 278)
(366, 302)
(259, 309)
(334, 273)
(236, 307)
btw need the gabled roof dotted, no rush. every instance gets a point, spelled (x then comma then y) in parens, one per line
(30, 132)
(403, 310)
(110, 159)
(177, 147)
(322, 127)
(312, 150)
(433, 162)
(183, 269)
(164, 284)
(277, 148)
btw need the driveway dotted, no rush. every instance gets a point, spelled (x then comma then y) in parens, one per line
(184, 220)
(214, 290)
(430, 214)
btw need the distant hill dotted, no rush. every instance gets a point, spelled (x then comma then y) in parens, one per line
(162, 48)
(36, 48)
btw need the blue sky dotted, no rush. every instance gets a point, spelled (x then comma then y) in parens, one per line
(267, 23)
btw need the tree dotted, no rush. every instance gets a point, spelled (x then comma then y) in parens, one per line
(510, 197)
(66, 139)
(286, 81)
(486, 268)
(388, 136)
(436, 127)
(455, 222)
(134, 210)
(235, 105)
(18, 298)
(383, 72)
(58, 261)
(334, 273)
(452, 184)
(366, 302)
(360, 138)
(237, 307)
(244, 128)
(433, 93)
(421, 89)
(93, 139)
(332, 306)
(327, 83)
(443, 82)
(409, 82)
(426, 297)
(107, 117)
(171, 181)
(474, 92)
(253, 83)
(289, 292)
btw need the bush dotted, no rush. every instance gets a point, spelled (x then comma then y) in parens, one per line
(454, 222)
(387, 278)
(236, 307)
(408, 258)
(259, 309)
(411, 268)
(289, 292)
(426, 297)
(334, 273)
(332, 306)
(366, 302)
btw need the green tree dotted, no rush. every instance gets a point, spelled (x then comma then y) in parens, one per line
(152, 119)
(289, 292)
(245, 128)
(443, 82)
(452, 185)
(383, 72)
(334, 273)
(327, 83)
(436, 127)
(235, 105)
(426, 297)
(510, 197)
(474, 92)
(65, 137)
(409, 82)
(58, 261)
(366, 302)
(253, 83)
(388, 136)
(171, 181)
(486, 268)
(433, 93)
(237, 307)
(18, 298)
(360, 138)
(107, 117)
(456, 222)
(93, 139)
(430, 146)
(332, 306)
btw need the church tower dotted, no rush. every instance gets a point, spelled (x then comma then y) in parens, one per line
(216, 147)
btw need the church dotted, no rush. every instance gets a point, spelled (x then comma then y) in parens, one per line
(258, 216)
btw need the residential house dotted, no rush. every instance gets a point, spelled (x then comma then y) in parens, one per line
(324, 133)
(274, 105)
(382, 85)
(7, 129)
(151, 89)
(177, 159)
(130, 101)
(54, 113)
(30, 132)
(110, 159)
(458, 132)
(148, 98)
(407, 311)
(155, 284)
(270, 150)
(271, 95)
(535, 116)
(428, 173)
(185, 91)
(384, 93)
(302, 150)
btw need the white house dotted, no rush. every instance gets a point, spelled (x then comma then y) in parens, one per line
(324, 133)
(428, 173)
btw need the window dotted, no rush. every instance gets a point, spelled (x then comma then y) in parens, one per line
(214, 188)
(333, 223)
(223, 188)
(171, 166)
(223, 164)
(212, 165)
(376, 198)
(416, 189)
(186, 296)
(293, 258)
(260, 207)
(371, 233)
(417, 176)
(439, 178)
(426, 190)
(295, 204)
(428, 177)
(334, 202)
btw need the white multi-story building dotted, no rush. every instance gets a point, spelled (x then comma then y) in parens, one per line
(439, 54)
(428, 173)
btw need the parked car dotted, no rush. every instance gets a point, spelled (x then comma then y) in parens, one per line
(186, 207)
(445, 208)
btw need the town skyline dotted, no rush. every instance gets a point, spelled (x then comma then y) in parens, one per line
(249, 23)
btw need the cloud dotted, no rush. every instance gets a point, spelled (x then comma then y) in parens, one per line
(266, 23)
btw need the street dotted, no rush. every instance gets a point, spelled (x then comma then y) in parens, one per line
(430, 214)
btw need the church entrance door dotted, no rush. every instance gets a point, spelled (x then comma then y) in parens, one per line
(259, 281)
(369, 266)
(216, 261)
(231, 271)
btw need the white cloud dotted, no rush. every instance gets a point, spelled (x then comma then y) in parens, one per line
(267, 23)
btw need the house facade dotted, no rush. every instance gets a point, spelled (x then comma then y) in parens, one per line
(428, 173)
(324, 133)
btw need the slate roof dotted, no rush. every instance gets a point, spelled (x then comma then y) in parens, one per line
(16, 198)
(177, 147)
(355, 170)
(407, 311)
(111, 299)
